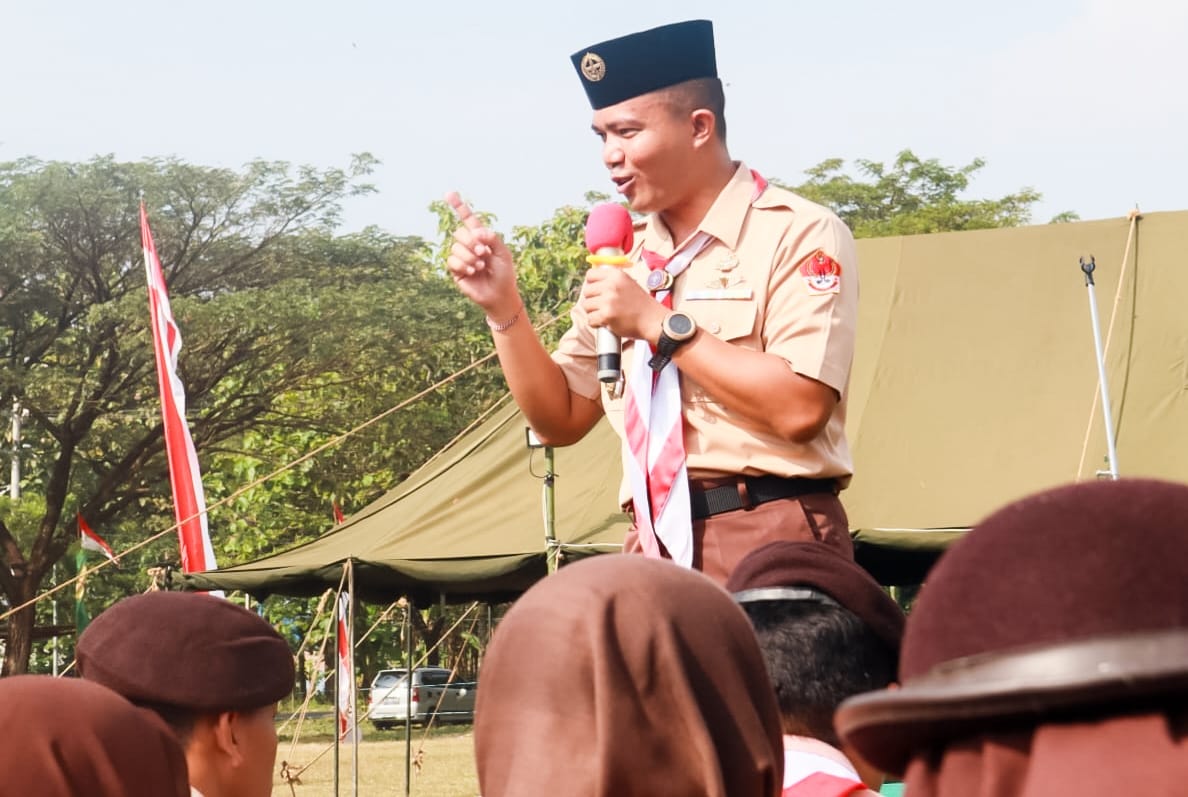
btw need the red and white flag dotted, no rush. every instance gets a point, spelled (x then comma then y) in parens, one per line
(348, 726)
(189, 501)
(91, 541)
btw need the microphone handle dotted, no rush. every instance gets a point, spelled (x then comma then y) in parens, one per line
(610, 356)
(610, 348)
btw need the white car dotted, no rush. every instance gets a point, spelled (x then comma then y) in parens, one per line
(432, 694)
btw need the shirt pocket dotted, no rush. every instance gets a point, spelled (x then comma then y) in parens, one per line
(731, 320)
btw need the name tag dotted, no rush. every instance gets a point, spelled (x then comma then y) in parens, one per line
(717, 293)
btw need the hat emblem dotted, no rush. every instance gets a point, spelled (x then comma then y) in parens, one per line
(593, 67)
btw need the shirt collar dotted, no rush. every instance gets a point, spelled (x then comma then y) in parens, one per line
(807, 744)
(724, 220)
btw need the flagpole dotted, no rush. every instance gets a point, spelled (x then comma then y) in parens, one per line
(353, 714)
(337, 687)
(54, 580)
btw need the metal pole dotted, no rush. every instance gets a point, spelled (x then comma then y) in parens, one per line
(14, 485)
(337, 690)
(1107, 413)
(54, 605)
(353, 709)
(408, 669)
(550, 510)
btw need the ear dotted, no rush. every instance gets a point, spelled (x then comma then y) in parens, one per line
(228, 735)
(704, 125)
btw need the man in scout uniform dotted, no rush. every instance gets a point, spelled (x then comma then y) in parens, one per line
(213, 670)
(828, 632)
(1046, 655)
(737, 316)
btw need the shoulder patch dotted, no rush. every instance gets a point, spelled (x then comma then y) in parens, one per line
(822, 274)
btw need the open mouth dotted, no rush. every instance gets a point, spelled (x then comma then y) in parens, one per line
(624, 184)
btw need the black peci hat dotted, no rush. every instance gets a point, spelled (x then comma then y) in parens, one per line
(619, 69)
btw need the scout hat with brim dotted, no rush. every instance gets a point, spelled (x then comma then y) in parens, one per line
(1069, 604)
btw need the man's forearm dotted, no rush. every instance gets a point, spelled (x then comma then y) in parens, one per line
(558, 416)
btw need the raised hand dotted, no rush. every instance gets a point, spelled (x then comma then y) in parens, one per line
(481, 263)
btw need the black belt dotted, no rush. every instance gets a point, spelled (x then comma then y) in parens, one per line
(748, 491)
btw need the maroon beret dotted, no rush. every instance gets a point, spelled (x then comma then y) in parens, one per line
(1071, 599)
(764, 572)
(186, 649)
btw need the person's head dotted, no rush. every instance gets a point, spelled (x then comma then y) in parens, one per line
(213, 670)
(659, 108)
(622, 675)
(1047, 653)
(827, 630)
(65, 737)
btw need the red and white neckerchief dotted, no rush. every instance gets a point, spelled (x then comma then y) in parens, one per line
(655, 433)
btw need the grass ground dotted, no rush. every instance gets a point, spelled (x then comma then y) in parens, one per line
(446, 758)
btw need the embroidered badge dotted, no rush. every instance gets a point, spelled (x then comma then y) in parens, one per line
(593, 67)
(822, 274)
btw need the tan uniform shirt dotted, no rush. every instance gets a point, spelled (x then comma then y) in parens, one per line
(747, 287)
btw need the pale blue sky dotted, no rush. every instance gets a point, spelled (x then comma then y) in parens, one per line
(1081, 99)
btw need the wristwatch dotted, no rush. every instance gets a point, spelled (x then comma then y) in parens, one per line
(676, 330)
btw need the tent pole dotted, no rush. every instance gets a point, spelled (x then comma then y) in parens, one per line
(408, 669)
(550, 510)
(1107, 414)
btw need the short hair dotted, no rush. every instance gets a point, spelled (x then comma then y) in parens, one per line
(817, 655)
(180, 720)
(692, 95)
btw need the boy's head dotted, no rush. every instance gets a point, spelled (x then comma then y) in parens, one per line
(827, 630)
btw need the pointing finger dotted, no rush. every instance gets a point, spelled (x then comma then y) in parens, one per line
(463, 211)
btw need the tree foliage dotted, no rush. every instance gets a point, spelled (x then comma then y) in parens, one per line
(912, 196)
(291, 337)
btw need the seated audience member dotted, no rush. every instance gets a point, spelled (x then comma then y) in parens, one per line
(828, 631)
(1047, 654)
(621, 676)
(68, 738)
(213, 670)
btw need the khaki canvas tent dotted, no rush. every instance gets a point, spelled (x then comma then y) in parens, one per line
(975, 382)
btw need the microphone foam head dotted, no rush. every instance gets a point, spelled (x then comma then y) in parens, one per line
(609, 227)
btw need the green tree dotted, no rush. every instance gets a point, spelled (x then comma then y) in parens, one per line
(76, 351)
(911, 197)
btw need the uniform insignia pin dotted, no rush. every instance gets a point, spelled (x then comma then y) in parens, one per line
(593, 67)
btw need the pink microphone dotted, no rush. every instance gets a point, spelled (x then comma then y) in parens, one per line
(609, 236)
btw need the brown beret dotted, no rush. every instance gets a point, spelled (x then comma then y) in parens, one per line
(1071, 599)
(66, 737)
(186, 649)
(763, 572)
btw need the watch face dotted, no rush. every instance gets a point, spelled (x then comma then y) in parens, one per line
(680, 324)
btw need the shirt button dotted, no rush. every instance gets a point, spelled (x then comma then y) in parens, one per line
(715, 327)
